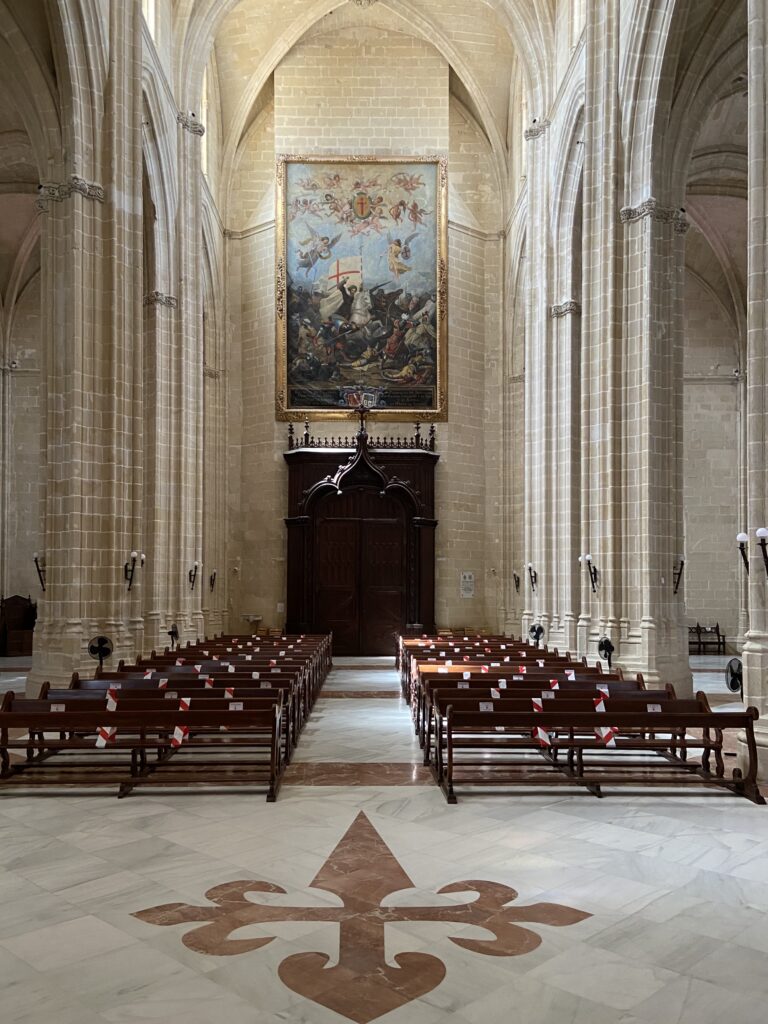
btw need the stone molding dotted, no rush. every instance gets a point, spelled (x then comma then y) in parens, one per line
(190, 124)
(160, 299)
(651, 207)
(569, 308)
(364, 3)
(212, 372)
(536, 130)
(57, 193)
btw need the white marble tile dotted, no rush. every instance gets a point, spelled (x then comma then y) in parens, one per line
(693, 1001)
(602, 976)
(67, 943)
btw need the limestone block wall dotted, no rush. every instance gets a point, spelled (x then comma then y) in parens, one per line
(712, 422)
(24, 463)
(359, 90)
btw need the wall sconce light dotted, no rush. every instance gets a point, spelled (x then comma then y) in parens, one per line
(40, 570)
(594, 575)
(742, 540)
(192, 574)
(516, 579)
(533, 576)
(130, 568)
(762, 537)
(678, 574)
(212, 579)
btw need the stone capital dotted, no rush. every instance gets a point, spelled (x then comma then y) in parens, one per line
(569, 308)
(651, 207)
(160, 299)
(190, 124)
(536, 130)
(58, 192)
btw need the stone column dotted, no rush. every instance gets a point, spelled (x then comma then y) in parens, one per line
(566, 341)
(601, 396)
(756, 647)
(159, 337)
(187, 454)
(654, 636)
(537, 605)
(91, 288)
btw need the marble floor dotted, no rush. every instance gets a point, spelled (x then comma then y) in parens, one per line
(349, 900)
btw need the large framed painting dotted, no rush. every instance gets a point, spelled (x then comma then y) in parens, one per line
(361, 287)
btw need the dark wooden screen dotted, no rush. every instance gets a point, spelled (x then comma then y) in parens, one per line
(360, 563)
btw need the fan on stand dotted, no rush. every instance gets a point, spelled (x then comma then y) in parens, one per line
(536, 633)
(605, 649)
(173, 633)
(99, 648)
(734, 679)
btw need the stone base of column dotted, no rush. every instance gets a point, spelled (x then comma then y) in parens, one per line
(755, 668)
(61, 648)
(742, 759)
(583, 627)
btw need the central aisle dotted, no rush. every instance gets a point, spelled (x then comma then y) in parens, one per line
(360, 730)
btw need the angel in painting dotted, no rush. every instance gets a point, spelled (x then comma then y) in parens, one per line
(320, 247)
(407, 182)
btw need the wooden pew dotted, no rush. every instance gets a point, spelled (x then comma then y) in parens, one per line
(437, 691)
(248, 737)
(133, 689)
(490, 747)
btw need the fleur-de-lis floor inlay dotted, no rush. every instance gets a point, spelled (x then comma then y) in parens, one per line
(362, 872)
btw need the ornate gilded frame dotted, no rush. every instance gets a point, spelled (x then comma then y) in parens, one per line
(283, 409)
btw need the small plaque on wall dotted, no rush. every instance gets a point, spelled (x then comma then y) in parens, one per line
(467, 585)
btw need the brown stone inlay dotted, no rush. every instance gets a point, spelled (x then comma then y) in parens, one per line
(362, 872)
(345, 773)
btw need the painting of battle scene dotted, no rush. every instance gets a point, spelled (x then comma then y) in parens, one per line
(361, 287)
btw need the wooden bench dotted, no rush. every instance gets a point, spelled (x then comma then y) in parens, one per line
(438, 695)
(132, 689)
(704, 638)
(224, 746)
(654, 746)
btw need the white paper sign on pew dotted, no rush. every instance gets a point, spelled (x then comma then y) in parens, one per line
(486, 705)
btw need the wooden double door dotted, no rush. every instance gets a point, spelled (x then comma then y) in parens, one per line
(360, 559)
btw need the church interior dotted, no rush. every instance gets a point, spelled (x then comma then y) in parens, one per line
(385, 382)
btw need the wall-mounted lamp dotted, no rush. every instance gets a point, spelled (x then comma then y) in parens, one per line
(762, 538)
(594, 575)
(192, 574)
(677, 575)
(742, 540)
(533, 576)
(40, 570)
(130, 568)
(212, 579)
(516, 580)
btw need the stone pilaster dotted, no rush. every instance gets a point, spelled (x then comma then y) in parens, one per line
(186, 543)
(601, 398)
(538, 393)
(91, 288)
(755, 652)
(654, 636)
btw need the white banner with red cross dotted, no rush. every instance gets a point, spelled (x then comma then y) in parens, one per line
(181, 732)
(541, 735)
(606, 734)
(106, 733)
